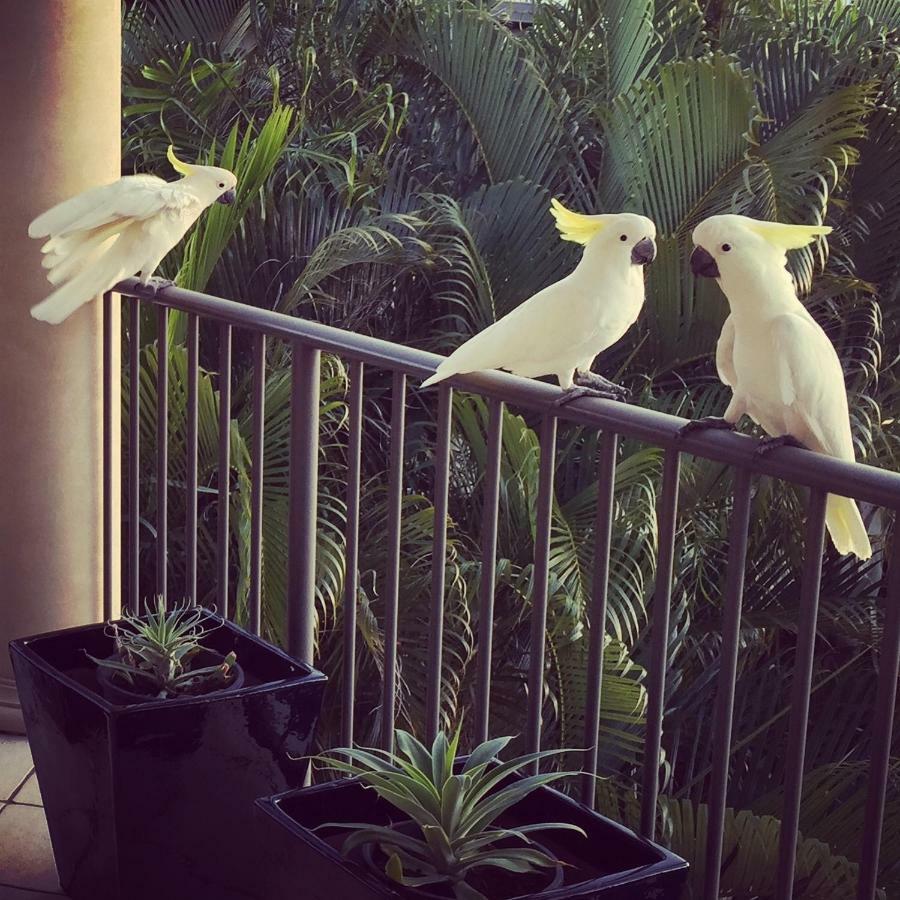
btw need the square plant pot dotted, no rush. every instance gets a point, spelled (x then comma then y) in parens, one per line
(612, 863)
(155, 799)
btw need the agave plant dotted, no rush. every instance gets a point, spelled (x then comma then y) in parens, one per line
(453, 806)
(154, 653)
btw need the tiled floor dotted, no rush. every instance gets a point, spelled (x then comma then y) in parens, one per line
(26, 860)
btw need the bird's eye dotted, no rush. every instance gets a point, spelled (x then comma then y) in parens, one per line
(221, 184)
(623, 237)
(726, 247)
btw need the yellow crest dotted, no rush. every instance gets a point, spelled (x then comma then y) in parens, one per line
(575, 226)
(177, 164)
(787, 237)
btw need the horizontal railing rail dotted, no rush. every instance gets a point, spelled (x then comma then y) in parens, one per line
(819, 473)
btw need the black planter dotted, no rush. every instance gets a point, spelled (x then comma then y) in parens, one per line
(612, 863)
(155, 799)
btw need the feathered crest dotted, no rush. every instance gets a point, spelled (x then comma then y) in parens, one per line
(787, 237)
(177, 164)
(574, 226)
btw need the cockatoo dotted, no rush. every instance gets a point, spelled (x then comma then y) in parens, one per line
(782, 369)
(117, 230)
(560, 329)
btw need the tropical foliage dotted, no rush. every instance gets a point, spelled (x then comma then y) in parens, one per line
(396, 163)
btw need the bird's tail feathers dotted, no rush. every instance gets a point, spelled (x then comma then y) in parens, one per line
(846, 527)
(438, 376)
(76, 251)
(87, 284)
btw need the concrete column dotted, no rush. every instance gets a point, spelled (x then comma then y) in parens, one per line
(60, 75)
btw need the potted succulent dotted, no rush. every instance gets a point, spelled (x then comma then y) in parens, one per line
(162, 655)
(152, 737)
(429, 824)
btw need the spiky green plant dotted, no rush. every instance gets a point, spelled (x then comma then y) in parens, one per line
(154, 652)
(454, 813)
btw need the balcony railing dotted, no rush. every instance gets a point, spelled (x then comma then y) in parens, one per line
(309, 340)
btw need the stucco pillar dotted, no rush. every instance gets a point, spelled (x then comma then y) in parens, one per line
(60, 63)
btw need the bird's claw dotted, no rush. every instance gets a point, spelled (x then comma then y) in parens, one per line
(707, 422)
(152, 286)
(604, 386)
(574, 393)
(768, 444)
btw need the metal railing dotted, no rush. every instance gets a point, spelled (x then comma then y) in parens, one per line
(309, 339)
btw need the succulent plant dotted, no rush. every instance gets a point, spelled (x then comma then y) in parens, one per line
(454, 814)
(153, 652)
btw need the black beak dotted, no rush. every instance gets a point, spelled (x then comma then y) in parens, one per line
(227, 198)
(703, 264)
(643, 252)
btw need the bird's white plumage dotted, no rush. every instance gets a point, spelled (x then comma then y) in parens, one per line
(116, 230)
(564, 326)
(782, 368)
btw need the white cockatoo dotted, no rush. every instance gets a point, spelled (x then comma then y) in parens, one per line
(783, 371)
(121, 229)
(562, 328)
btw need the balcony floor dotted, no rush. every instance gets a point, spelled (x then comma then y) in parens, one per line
(27, 871)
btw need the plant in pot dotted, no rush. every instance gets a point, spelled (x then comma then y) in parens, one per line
(427, 823)
(450, 841)
(151, 743)
(162, 655)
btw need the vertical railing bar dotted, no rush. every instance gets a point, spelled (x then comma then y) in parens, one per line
(193, 351)
(224, 476)
(814, 546)
(162, 449)
(134, 452)
(392, 592)
(256, 481)
(108, 511)
(540, 586)
(488, 569)
(731, 634)
(304, 486)
(882, 727)
(606, 468)
(351, 577)
(659, 649)
(438, 562)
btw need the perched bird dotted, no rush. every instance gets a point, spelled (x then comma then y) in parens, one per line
(117, 230)
(783, 371)
(560, 329)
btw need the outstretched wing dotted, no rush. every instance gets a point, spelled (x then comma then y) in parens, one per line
(131, 197)
(810, 382)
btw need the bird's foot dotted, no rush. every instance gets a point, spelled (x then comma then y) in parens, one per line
(707, 422)
(767, 444)
(598, 383)
(152, 286)
(573, 393)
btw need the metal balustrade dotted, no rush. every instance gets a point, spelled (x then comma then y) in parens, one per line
(613, 420)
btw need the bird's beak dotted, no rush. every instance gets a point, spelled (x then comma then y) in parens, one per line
(643, 252)
(227, 198)
(703, 264)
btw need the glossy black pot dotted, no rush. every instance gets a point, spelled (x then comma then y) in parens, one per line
(155, 799)
(613, 863)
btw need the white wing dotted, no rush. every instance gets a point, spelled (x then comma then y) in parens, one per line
(542, 328)
(131, 197)
(810, 383)
(725, 354)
